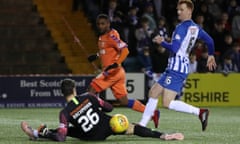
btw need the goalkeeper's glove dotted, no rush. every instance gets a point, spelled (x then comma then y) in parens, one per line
(43, 130)
(92, 57)
(112, 66)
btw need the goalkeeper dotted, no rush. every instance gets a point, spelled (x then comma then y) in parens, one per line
(86, 114)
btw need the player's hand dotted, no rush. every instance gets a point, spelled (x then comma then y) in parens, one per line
(92, 57)
(211, 63)
(112, 66)
(158, 39)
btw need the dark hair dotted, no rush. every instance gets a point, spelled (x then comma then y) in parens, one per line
(67, 86)
(144, 20)
(103, 16)
(161, 18)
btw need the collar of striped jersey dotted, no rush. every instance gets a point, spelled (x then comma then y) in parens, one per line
(75, 101)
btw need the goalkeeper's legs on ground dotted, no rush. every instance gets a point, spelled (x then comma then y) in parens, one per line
(146, 132)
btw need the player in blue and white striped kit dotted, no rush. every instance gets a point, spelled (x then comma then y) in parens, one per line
(171, 82)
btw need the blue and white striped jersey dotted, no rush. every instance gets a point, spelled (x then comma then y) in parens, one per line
(183, 40)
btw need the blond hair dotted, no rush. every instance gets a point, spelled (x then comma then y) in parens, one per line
(189, 3)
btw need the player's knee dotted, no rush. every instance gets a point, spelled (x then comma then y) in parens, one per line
(165, 104)
(155, 92)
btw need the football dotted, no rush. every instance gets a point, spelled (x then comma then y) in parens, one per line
(119, 123)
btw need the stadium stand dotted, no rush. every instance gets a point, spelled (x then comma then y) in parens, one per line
(53, 12)
(26, 45)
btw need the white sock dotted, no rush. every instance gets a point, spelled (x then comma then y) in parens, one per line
(148, 112)
(35, 133)
(183, 107)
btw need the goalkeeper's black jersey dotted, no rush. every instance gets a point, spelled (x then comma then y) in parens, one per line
(83, 117)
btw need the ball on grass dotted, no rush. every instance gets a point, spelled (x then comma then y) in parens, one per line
(119, 123)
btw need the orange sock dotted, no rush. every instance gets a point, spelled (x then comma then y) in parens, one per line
(138, 106)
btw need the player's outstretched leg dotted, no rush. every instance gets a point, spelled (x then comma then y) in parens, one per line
(146, 132)
(28, 130)
(203, 116)
(138, 106)
(184, 107)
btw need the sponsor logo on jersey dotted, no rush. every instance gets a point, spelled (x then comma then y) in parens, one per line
(193, 31)
(121, 45)
(177, 37)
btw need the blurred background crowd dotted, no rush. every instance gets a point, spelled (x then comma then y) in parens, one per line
(137, 21)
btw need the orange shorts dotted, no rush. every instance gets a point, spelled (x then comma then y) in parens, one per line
(115, 80)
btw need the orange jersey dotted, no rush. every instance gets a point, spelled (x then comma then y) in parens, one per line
(110, 46)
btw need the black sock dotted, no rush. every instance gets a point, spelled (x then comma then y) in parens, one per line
(146, 132)
(49, 134)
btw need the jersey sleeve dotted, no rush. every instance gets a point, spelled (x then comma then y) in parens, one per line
(117, 42)
(60, 133)
(208, 40)
(177, 39)
(106, 107)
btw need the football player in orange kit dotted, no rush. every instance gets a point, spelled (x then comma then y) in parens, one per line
(112, 52)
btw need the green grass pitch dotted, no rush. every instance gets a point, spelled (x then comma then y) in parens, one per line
(223, 128)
